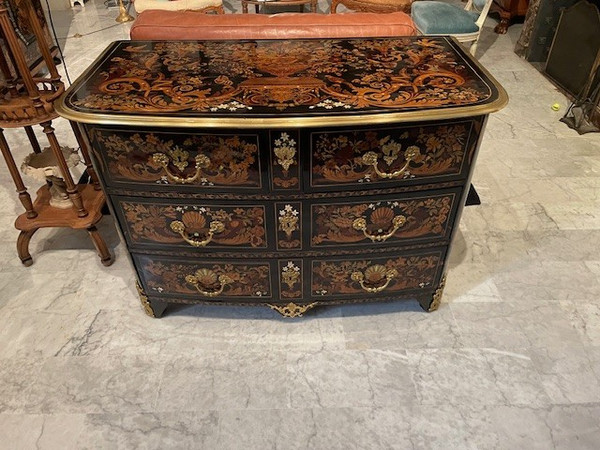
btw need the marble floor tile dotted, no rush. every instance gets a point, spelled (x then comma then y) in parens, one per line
(470, 283)
(398, 325)
(152, 431)
(575, 426)
(568, 374)
(209, 381)
(318, 428)
(371, 378)
(43, 432)
(107, 384)
(41, 334)
(443, 427)
(476, 377)
(17, 378)
(521, 427)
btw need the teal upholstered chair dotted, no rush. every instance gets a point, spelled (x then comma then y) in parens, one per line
(434, 17)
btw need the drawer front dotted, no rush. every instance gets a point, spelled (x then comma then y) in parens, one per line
(380, 222)
(205, 280)
(174, 160)
(366, 277)
(392, 156)
(192, 225)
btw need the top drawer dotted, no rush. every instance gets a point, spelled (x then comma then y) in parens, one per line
(178, 159)
(389, 156)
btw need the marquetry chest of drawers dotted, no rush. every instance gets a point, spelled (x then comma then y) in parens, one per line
(285, 173)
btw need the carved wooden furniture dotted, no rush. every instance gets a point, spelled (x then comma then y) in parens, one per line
(442, 18)
(27, 101)
(288, 173)
(312, 4)
(508, 10)
(202, 6)
(374, 6)
(19, 19)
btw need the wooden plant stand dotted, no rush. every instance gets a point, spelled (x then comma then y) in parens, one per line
(27, 101)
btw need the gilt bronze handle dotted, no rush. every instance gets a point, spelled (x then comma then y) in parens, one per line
(216, 226)
(360, 224)
(206, 277)
(161, 159)
(375, 274)
(372, 159)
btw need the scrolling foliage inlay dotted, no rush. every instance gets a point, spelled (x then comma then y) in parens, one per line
(335, 277)
(266, 77)
(243, 226)
(244, 280)
(424, 217)
(339, 157)
(231, 160)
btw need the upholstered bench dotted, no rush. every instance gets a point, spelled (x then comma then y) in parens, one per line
(166, 25)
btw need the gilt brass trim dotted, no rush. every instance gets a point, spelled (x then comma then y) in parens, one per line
(372, 159)
(303, 121)
(437, 296)
(360, 224)
(388, 274)
(291, 309)
(179, 159)
(144, 300)
(209, 276)
(215, 227)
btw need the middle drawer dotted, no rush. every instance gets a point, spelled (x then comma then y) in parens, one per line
(193, 225)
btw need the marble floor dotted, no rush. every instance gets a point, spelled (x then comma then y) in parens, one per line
(510, 361)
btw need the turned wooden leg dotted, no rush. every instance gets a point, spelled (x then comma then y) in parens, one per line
(432, 302)
(23, 247)
(33, 139)
(24, 196)
(154, 308)
(86, 155)
(105, 257)
(502, 27)
(71, 189)
(334, 5)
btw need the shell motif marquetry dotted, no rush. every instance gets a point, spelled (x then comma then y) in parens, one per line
(379, 222)
(208, 283)
(382, 155)
(375, 276)
(290, 279)
(289, 225)
(195, 226)
(211, 280)
(285, 157)
(175, 159)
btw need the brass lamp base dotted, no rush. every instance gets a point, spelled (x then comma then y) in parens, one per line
(123, 15)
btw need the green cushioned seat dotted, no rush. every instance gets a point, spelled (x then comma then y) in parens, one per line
(433, 17)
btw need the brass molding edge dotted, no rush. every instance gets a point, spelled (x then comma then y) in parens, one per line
(144, 300)
(437, 296)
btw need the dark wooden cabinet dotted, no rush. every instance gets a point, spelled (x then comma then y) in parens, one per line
(238, 179)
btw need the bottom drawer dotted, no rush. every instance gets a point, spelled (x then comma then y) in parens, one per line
(376, 277)
(351, 278)
(204, 280)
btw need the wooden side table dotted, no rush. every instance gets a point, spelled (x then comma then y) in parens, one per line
(278, 3)
(376, 6)
(28, 101)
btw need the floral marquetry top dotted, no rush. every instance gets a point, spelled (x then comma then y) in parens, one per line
(337, 81)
